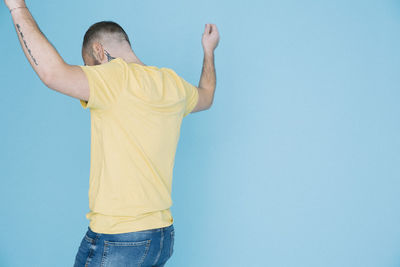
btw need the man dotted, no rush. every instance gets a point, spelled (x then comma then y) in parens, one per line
(136, 113)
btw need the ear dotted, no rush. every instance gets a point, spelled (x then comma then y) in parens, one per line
(98, 51)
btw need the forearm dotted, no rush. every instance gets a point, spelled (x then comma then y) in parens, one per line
(208, 75)
(43, 57)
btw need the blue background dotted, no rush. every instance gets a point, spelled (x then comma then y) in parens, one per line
(295, 165)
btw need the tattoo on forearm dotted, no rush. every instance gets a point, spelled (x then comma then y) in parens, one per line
(26, 45)
(109, 57)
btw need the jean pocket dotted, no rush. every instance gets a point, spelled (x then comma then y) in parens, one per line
(171, 248)
(124, 253)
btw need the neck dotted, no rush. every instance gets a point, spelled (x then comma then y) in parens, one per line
(130, 57)
(125, 52)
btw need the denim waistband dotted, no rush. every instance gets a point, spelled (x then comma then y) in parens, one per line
(93, 235)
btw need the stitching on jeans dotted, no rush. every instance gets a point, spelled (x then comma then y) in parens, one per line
(148, 231)
(89, 239)
(153, 230)
(172, 242)
(91, 250)
(108, 244)
(145, 253)
(104, 257)
(126, 243)
(161, 246)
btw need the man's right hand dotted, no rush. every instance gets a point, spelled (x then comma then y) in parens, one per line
(210, 38)
(11, 4)
(208, 77)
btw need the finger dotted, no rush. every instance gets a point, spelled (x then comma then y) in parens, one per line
(209, 28)
(214, 28)
(206, 29)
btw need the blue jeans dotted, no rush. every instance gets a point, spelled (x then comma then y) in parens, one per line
(148, 248)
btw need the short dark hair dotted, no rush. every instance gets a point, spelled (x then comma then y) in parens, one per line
(100, 28)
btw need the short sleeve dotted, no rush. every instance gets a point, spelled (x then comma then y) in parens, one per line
(106, 81)
(192, 96)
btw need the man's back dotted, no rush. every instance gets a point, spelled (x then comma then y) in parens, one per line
(136, 114)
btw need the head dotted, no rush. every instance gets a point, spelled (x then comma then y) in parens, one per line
(101, 38)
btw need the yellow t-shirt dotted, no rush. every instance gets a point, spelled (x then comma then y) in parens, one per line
(136, 113)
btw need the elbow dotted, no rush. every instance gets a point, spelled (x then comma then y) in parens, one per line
(51, 76)
(48, 80)
(211, 100)
(210, 103)
(206, 98)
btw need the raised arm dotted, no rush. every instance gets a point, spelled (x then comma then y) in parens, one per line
(44, 58)
(207, 82)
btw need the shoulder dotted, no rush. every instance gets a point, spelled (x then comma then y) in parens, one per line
(170, 73)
